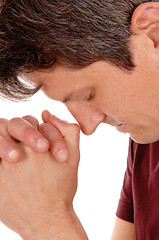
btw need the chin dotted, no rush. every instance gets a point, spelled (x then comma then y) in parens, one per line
(145, 138)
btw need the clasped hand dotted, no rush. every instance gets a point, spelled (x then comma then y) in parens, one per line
(36, 190)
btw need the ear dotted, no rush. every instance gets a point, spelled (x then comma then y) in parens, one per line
(145, 20)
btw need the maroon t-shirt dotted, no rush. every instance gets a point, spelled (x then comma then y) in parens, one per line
(139, 201)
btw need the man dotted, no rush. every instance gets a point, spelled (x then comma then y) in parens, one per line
(100, 58)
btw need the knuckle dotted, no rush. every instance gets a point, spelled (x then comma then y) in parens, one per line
(3, 121)
(3, 127)
(73, 130)
(31, 118)
(75, 127)
(12, 125)
(29, 132)
(47, 126)
(1, 140)
(57, 145)
(13, 121)
(42, 127)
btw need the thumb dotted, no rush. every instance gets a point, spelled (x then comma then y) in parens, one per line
(69, 131)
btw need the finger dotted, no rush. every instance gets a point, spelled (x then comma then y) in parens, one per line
(3, 128)
(8, 151)
(46, 115)
(70, 131)
(22, 130)
(71, 134)
(32, 120)
(57, 143)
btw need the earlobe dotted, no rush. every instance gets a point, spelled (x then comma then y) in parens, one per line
(145, 20)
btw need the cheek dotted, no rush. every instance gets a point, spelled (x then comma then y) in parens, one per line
(114, 100)
(120, 100)
(114, 106)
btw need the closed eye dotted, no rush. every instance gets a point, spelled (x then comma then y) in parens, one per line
(66, 100)
(91, 96)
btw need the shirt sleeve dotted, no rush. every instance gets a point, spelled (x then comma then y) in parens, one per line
(125, 206)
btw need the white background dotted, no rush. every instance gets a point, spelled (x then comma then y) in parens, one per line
(101, 170)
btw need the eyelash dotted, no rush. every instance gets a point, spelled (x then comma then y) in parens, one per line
(91, 96)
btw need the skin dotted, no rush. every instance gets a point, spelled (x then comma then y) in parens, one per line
(102, 92)
(26, 130)
(118, 96)
(38, 191)
(109, 95)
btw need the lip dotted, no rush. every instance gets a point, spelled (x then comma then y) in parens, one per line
(121, 128)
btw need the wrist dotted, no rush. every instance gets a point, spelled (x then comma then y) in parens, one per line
(64, 226)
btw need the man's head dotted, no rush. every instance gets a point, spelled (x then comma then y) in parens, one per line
(90, 48)
(34, 34)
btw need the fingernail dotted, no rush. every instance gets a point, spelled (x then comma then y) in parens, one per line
(13, 154)
(42, 143)
(63, 155)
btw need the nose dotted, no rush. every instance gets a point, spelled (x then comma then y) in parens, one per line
(87, 116)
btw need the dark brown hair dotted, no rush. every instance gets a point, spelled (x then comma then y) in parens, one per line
(34, 34)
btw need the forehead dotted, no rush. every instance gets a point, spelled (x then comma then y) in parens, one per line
(60, 74)
(57, 75)
(62, 82)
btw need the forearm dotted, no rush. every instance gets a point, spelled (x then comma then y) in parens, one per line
(69, 229)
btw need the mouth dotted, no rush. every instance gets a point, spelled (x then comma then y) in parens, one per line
(121, 127)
